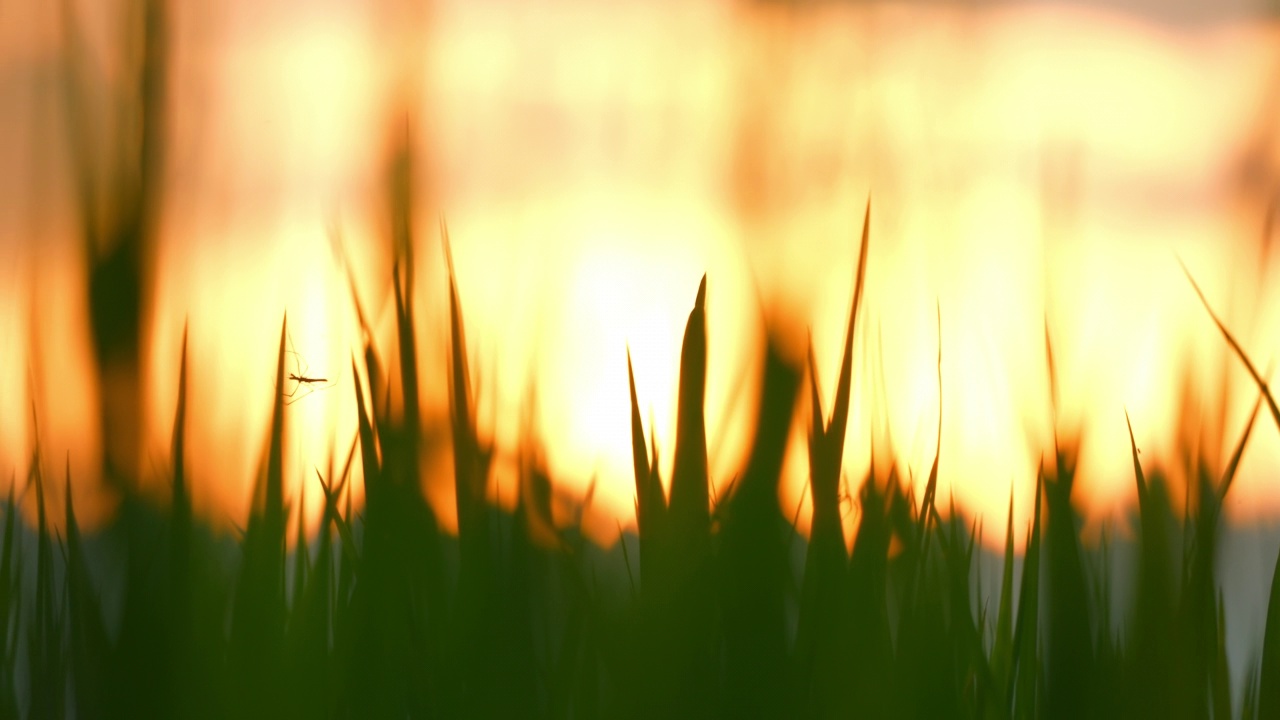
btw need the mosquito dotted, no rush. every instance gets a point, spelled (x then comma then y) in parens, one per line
(302, 381)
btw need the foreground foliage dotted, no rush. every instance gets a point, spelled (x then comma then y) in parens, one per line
(381, 614)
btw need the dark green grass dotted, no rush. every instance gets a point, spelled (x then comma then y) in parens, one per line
(381, 614)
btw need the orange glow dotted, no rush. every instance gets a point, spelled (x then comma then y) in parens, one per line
(1025, 164)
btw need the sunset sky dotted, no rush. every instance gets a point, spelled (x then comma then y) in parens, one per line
(1025, 162)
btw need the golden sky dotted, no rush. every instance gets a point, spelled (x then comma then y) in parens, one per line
(1023, 162)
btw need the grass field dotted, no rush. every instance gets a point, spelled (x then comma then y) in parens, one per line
(716, 607)
(378, 613)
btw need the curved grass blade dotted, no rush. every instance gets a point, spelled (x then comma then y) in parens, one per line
(690, 506)
(1235, 346)
(927, 509)
(1233, 464)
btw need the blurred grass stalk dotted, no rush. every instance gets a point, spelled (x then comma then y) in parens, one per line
(117, 144)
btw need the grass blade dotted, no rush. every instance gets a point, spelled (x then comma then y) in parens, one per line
(258, 615)
(1026, 631)
(927, 508)
(650, 504)
(1239, 351)
(1233, 464)
(753, 560)
(46, 692)
(469, 473)
(690, 507)
(10, 555)
(1269, 672)
(88, 635)
(1003, 649)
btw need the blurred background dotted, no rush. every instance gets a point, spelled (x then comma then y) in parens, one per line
(1033, 169)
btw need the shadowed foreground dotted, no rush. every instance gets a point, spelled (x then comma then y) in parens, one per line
(381, 614)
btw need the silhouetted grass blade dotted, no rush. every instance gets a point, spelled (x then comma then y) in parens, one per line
(47, 681)
(1002, 650)
(10, 572)
(469, 473)
(754, 542)
(1269, 671)
(87, 633)
(1154, 655)
(665, 648)
(1239, 351)
(1233, 464)
(1025, 672)
(690, 506)
(927, 508)
(258, 615)
(1068, 646)
(651, 509)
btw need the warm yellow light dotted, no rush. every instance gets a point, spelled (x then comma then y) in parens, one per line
(1027, 166)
